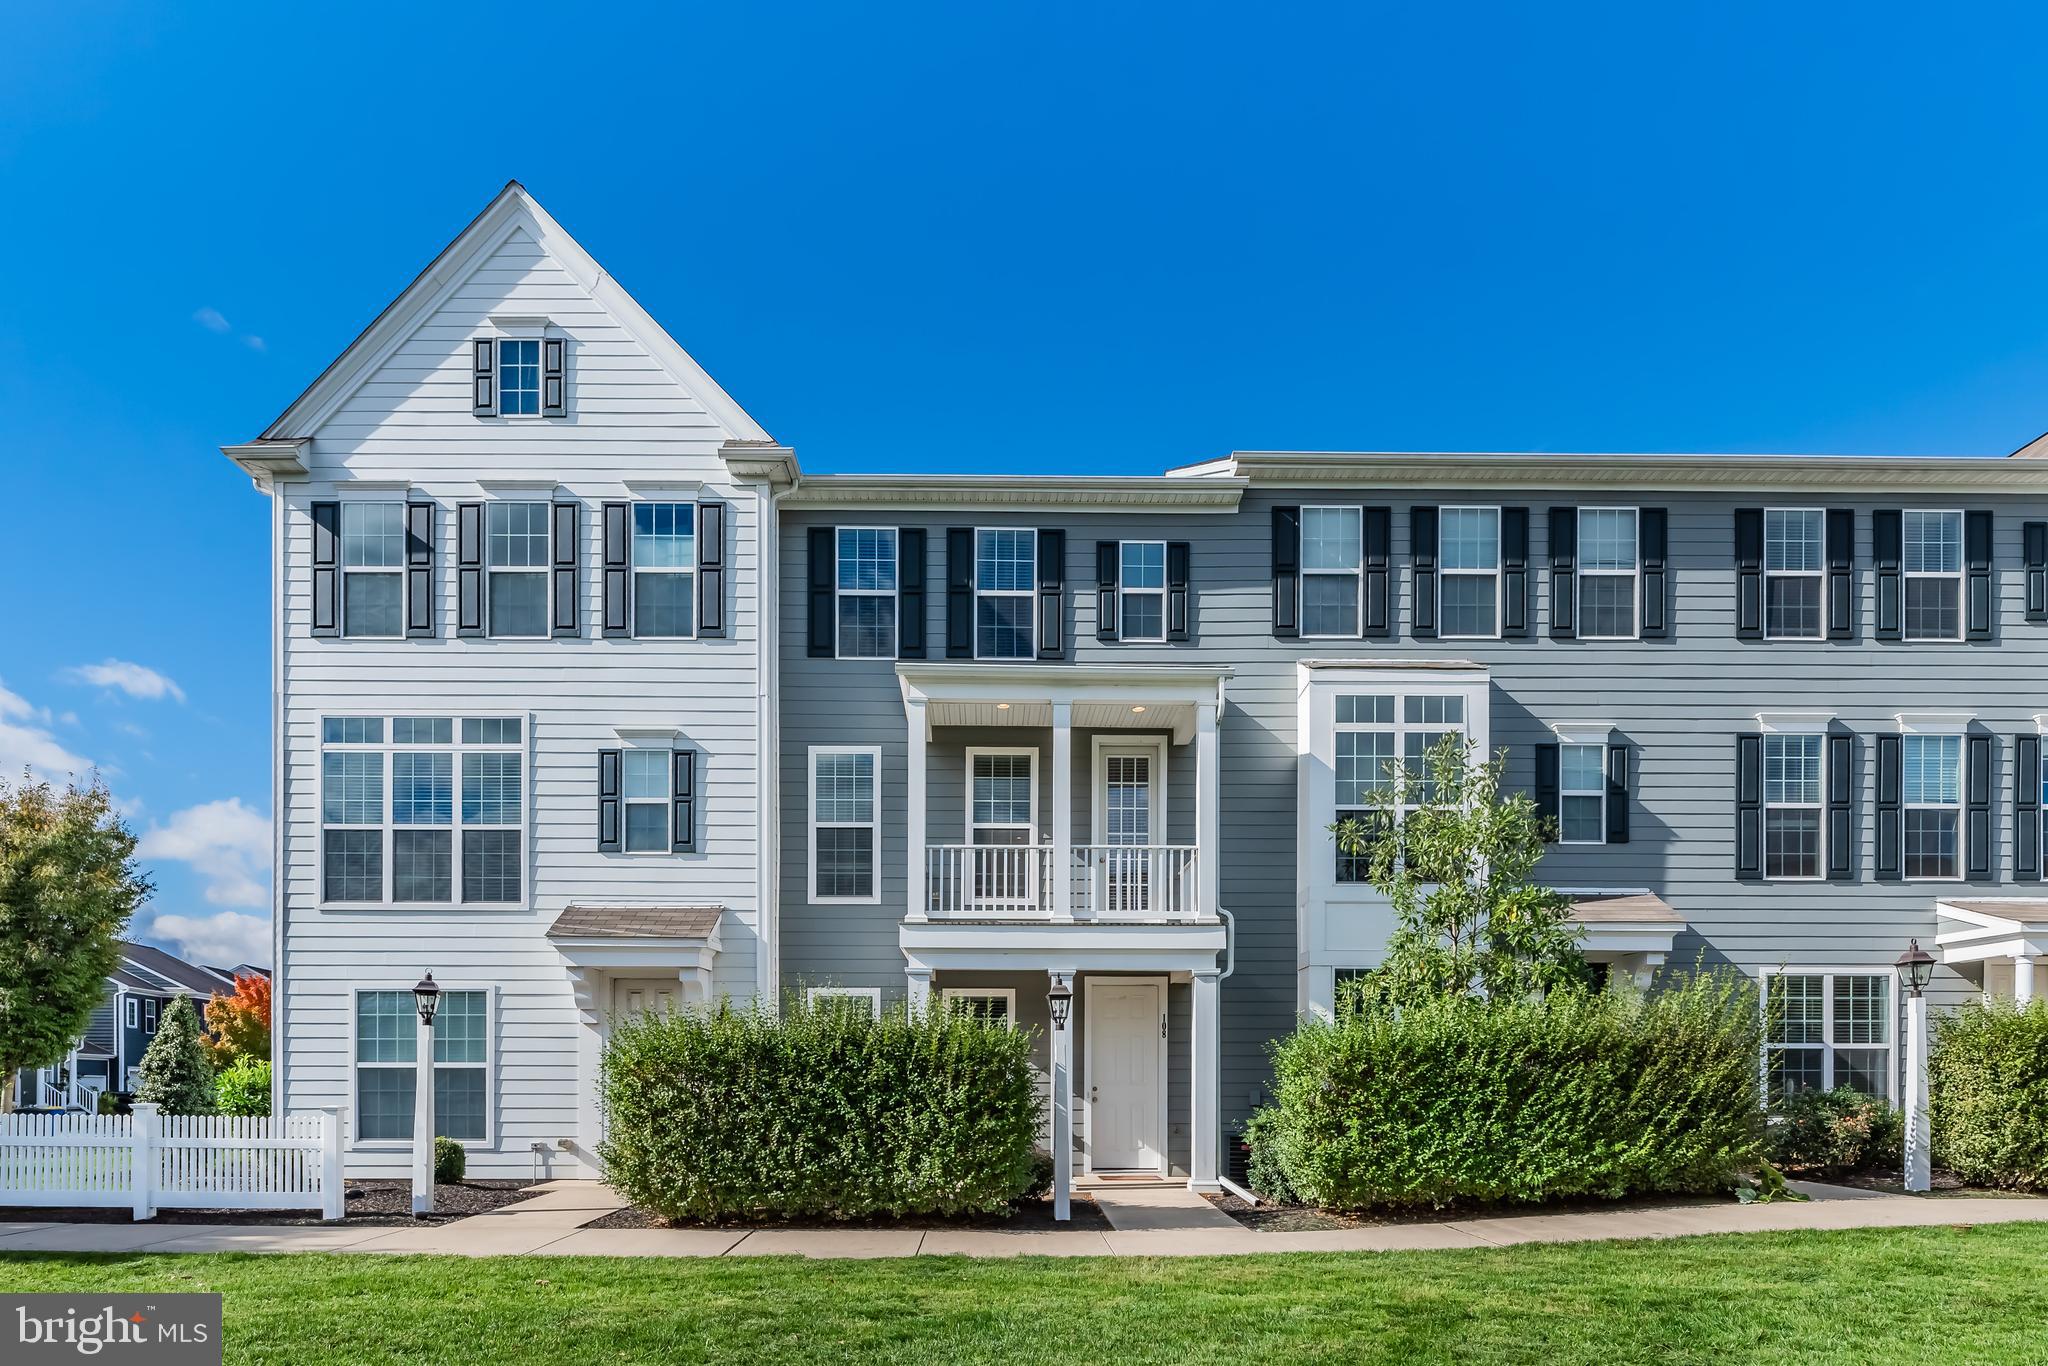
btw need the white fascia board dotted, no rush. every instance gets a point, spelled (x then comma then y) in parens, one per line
(1062, 683)
(1018, 493)
(1423, 469)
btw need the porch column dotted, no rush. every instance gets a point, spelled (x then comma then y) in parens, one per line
(1205, 1049)
(1062, 873)
(2022, 979)
(920, 990)
(1208, 820)
(913, 826)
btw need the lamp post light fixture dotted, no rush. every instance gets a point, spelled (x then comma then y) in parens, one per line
(427, 996)
(1916, 970)
(1059, 1001)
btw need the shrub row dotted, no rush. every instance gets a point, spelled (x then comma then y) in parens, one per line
(1988, 1094)
(819, 1113)
(1582, 1094)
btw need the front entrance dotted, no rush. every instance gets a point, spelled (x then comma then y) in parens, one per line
(638, 995)
(1126, 1032)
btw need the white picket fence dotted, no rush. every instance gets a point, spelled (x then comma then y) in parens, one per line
(150, 1161)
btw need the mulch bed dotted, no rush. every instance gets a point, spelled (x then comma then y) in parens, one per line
(1267, 1218)
(369, 1202)
(1026, 1216)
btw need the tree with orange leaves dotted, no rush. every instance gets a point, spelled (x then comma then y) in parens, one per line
(238, 1024)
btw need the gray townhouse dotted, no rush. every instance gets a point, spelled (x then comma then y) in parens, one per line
(590, 700)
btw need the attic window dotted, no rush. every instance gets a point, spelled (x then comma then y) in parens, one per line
(519, 376)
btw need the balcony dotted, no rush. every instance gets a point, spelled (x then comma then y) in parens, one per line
(1126, 883)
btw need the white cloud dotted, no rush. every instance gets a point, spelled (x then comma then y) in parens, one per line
(254, 342)
(225, 842)
(210, 319)
(223, 940)
(137, 680)
(25, 742)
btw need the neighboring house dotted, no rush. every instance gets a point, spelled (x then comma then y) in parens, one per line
(139, 990)
(589, 701)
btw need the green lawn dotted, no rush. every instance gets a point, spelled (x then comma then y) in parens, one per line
(1944, 1294)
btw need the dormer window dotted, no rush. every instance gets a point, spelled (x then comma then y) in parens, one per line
(519, 376)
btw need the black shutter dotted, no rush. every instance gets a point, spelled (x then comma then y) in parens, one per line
(1890, 758)
(1286, 572)
(326, 569)
(554, 386)
(1654, 534)
(1977, 576)
(1179, 561)
(1749, 573)
(2026, 808)
(1841, 777)
(2034, 537)
(710, 569)
(682, 826)
(469, 569)
(1981, 759)
(959, 592)
(1514, 571)
(618, 545)
(1052, 594)
(1108, 570)
(1377, 533)
(610, 815)
(1749, 807)
(419, 569)
(1841, 557)
(483, 399)
(568, 533)
(1422, 568)
(1564, 551)
(1549, 803)
(1886, 540)
(824, 576)
(910, 593)
(1617, 794)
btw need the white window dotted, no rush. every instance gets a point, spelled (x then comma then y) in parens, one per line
(422, 810)
(1582, 794)
(865, 1000)
(845, 822)
(867, 592)
(1141, 591)
(1933, 566)
(134, 1013)
(1794, 583)
(1932, 796)
(1003, 801)
(1828, 1030)
(1792, 806)
(149, 1009)
(1332, 570)
(990, 1005)
(373, 569)
(516, 567)
(649, 796)
(1608, 572)
(1005, 594)
(664, 569)
(1371, 729)
(1469, 555)
(387, 1030)
(518, 376)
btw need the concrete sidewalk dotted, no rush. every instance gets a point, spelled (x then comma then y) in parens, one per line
(1145, 1223)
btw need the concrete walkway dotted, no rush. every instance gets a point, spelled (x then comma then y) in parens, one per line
(1143, 1223)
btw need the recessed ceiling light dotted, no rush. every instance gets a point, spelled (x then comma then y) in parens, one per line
(1137, 709)
(1002, 706)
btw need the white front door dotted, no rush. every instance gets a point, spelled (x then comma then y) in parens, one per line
(637, 995)
(1126, 1075)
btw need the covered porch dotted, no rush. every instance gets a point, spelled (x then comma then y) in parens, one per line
(2008, 938)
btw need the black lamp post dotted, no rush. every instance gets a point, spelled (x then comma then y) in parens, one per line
(1916, 968)
(1060, 1000)
(428, 997)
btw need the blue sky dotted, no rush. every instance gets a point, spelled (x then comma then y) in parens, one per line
(1050, 237)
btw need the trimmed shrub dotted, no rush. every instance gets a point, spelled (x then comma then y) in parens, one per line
(1988, 1094)
(818, 1113)
(1834, 1133)
(451, 1160)
(1262, 1165)
(1586, 1094)
(243, 1088)
(175, 1073)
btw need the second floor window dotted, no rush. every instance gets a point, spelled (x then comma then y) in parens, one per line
(867, 592)
(516, 562)
(422, 810)
(1608, 573)
(1582, 794)
(373, 569)
(1141, 582)
(1368, 737)
(1470, 554)
(1332, 570)
(1793, 580)
(1005, 593)
(647, 792)
(1933, 565)
(1932, 796)
(845, 825)
(1792, 806)
(664, 569)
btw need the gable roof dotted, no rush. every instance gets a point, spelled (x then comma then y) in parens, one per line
(151, 969)
(513, 208)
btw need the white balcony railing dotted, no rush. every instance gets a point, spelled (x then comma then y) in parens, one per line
(999, 880)
(1134, 881)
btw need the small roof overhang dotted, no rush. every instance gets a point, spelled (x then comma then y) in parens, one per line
(1624, 921)
(1101, 697)
(1976, 929)
(647, 940)
(266, 460)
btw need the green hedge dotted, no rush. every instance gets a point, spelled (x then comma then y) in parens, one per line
(1988, 1094)
(1583, 1094)
(821, 1113)
(1835, 1133)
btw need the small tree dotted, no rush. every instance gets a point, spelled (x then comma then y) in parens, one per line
(175, 1074)
(243, 1088)
(68, 884)
(1455, 855)
(238, 1022)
